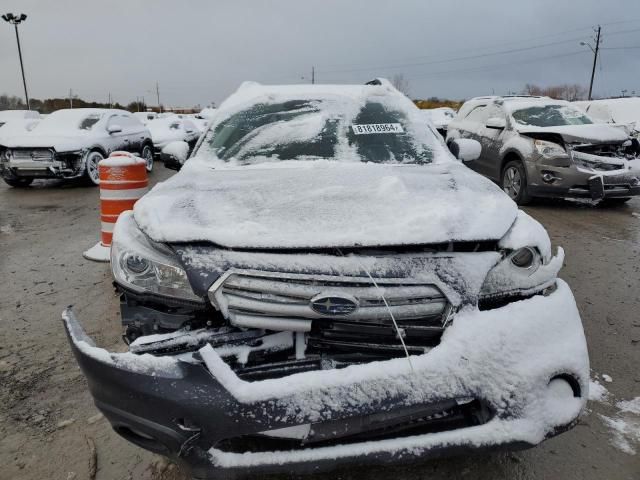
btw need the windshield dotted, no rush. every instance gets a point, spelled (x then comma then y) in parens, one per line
(550, 116)
(332, 129)
(68, 120)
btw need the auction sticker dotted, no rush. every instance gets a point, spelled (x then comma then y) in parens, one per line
(371, 128)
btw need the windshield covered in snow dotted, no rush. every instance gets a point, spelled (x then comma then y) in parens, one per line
(550, 116)
(326, 128)
(69, 120)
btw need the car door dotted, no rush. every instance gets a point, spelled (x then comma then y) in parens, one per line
(473, 127)
(116, 140)
(134, 131)
(493, 133)
(191, 131)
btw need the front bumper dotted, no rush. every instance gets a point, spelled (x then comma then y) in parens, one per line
(187, 406)
(560, 177)
(62, 165)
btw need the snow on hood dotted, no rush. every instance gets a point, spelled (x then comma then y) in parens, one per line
(60, 143)
(589, 133)
(325, 204)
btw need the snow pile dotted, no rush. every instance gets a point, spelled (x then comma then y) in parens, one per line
(597, 392)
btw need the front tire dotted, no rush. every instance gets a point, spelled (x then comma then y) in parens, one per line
(17, 182)
(147, 155)
(91, 172)
(514, 182)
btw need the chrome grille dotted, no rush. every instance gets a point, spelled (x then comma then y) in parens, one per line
(35, 155)
(283, 301)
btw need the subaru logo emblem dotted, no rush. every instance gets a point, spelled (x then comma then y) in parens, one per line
(333, 305)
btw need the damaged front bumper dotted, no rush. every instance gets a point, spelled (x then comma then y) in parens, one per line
(43, 163)
(507, 377)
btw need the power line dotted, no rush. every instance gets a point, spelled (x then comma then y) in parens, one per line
(366, 68)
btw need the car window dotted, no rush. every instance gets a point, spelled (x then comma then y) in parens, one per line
(550, 116)
(478, 114)
(88, 122)
(318, 129)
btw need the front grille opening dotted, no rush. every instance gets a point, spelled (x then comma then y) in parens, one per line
(404, 422)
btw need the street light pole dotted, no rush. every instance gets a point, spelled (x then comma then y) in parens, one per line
(17, 20)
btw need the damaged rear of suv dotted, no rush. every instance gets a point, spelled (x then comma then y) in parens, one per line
(323, 283)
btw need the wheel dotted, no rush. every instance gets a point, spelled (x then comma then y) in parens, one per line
(17, 182)
(91, 173)
(514, 182)
(147, 154)
(614, 202)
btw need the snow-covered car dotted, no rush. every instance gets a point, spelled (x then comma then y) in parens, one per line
(440, 117)
(324, 283)
(17, 122)
(171, 129)
(208, 112)
(145, 117)
(69, 143)
(620, 111)
(540, 147)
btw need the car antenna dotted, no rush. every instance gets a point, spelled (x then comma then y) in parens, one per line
(393, 319)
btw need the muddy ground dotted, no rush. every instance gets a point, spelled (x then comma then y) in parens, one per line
(49, 427)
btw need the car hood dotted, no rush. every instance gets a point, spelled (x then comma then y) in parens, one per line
(324, 205)
(60, 143)
(593, 133)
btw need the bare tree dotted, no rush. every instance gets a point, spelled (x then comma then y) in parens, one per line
(401, 83)
(570, 92)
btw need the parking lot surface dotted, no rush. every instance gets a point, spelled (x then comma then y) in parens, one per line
(49, 427)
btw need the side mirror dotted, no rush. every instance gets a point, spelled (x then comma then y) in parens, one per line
(465, 149)
(114, 129)
(175, 154)
(496, 123)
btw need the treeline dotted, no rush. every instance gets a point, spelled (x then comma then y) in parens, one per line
(11, 102)
(569, 92)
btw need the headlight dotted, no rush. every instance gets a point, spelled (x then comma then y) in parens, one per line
(144, 266)
(549, 149)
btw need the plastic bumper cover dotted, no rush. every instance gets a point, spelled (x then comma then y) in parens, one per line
(184, 407)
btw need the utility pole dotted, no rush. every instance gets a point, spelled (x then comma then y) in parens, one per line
(109, 99)
(313, 75)
(16, 20)
(595, 60)
(71, 97)
(158, 95)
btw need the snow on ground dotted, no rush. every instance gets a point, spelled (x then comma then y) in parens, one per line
(624, 424)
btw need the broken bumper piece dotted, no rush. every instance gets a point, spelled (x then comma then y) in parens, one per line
(507, 377)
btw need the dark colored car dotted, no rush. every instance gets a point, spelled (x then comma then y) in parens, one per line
(324, 283)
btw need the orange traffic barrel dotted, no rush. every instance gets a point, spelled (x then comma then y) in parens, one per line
(123, 180)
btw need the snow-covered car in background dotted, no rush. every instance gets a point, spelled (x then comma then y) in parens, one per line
(620, 111)
(324, 283)
(208, 112)
(17, 122)
(540, 147)
(145, 117)
(69, 143)
(440, 117)
(171, 129)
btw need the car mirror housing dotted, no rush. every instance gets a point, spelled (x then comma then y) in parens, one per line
(465, 149)
(175, 154)
(496, 123)
(114, 129)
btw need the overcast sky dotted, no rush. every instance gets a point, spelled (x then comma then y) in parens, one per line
(201, 50)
